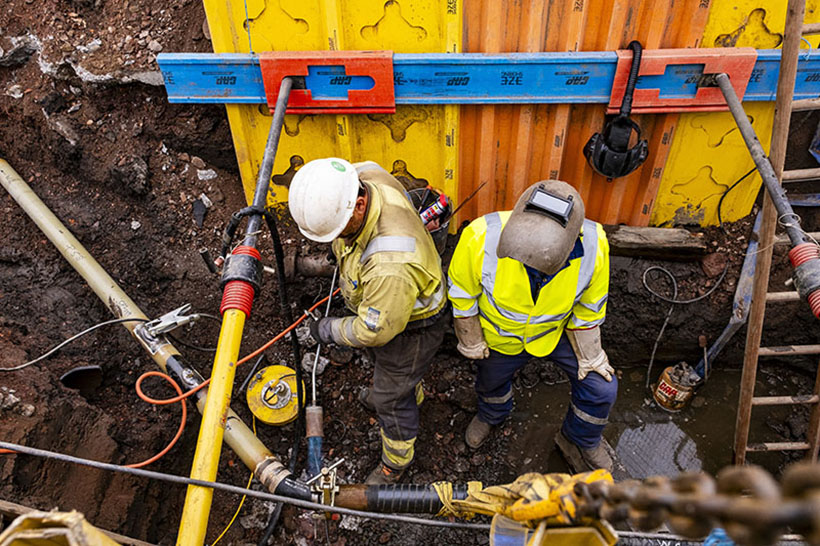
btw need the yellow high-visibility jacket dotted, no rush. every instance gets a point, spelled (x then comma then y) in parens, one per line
(498, 289)
(391, 273)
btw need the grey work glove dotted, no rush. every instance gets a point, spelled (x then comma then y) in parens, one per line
(586, 344)
(471, 342)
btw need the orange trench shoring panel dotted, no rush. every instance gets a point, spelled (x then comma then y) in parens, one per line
(693, 157)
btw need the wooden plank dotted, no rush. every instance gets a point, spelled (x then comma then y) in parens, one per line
(785, 400)
(784, 239)
(670, 244)
(811, 28)
(13, 510)
(813, 432)
(778, 446)
(801, 174)
(780, 297)
(805, 104)
(790, 350)
(780, 135)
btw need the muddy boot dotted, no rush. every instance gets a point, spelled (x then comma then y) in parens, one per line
(583, 460)
(384, 475)
(366, 399)
(477, 432)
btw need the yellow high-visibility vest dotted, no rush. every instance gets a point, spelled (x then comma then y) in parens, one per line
(498, 289)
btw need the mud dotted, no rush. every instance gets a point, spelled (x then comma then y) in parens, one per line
(126, 171)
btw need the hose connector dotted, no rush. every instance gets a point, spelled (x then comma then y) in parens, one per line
(241, 279)
(270, 472)
(805, 258)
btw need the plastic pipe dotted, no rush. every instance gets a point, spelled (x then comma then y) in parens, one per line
(237, 434)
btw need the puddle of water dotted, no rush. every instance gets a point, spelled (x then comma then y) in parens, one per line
(648, 440)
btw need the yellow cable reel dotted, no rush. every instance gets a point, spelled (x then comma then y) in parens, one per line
(271, 395)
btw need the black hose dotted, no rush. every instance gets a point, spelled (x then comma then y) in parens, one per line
(637, 51)
(408, 499)
(264, 495)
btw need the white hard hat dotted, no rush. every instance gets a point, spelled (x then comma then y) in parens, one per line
(322, 196)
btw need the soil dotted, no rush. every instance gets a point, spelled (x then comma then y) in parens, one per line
(84, 123)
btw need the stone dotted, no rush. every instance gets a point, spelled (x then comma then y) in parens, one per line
(155, 46)
(135, 225)
(132, 174)
(15, 91)
(27, 410)
(713, 264)
(8, 400)
(197, 162)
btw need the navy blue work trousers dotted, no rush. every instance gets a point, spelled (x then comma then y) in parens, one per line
(589, 406)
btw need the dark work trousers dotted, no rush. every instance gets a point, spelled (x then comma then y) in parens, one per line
(399, 367)
(589, 406)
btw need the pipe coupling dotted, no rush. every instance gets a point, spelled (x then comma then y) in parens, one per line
(270, 472)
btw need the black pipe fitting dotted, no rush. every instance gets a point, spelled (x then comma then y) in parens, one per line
(408, 498)
(806, 278)
(242, 267)
(294, 489)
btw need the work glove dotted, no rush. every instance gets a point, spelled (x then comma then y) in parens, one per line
(471, 342)
(586, 344)
(314, 330)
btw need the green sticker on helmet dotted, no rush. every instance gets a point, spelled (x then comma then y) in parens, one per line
(338, 166)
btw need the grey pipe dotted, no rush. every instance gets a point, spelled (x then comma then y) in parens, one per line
(764, 166)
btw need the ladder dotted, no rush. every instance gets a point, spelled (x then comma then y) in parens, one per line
(784, 106)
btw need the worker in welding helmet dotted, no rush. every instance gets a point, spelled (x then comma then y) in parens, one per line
(391, 280)
(533, 282)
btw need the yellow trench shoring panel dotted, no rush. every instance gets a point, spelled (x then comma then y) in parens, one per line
(417, 142)
(708, 154)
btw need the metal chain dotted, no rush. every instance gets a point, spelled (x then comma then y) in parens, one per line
(746, 501)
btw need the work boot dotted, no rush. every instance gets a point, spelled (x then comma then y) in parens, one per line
(366, 399)
(580, 459)
(384, 475)
(477, 432)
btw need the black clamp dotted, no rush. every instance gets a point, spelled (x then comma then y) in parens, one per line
(608, 153)
(242, 267)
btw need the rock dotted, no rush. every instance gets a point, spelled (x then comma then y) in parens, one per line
(206, 174)
(384, 538)
(184, 157)
(205, 201)
(7, 399)
(307, 363)
(133, 175)
(341, 355)
(155, 46)
(199, 211)
(197, 162)
(713, 264)
(16, 50)
(27, 410)
(15, 91)
(135, 225)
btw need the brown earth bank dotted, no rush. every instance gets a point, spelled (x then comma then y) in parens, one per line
(84, 122)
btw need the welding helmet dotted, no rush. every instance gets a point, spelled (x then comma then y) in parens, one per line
(543, 226)
(322, 198)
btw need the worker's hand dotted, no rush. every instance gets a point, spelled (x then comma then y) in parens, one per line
(586, 344)
(471, 343)
(319, 330)
(600, 365)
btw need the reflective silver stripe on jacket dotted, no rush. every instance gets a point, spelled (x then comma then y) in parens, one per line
(597, 306)
(584, 416)
(471, 312)
(498, 399)
(432, 301)
(590, 242)
(542, 334)
(456, 291)
(388, 243)
(584, 324)
(490, 264)
(503, 333)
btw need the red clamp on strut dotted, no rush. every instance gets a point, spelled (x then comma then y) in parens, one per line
(241, 277)
(737, 63)
(378, 65)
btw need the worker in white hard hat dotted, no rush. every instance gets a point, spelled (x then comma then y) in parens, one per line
(391, 279)
(533, 282)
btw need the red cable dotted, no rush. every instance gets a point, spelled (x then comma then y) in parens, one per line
(181, 397)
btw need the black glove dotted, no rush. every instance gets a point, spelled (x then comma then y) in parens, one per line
(320, 330)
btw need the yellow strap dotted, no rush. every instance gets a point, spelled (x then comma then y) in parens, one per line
(467, 508)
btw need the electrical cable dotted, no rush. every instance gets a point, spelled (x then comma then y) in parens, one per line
(674, 300)
(71, 339)
(182, 480)
(241, 502)
(722, 197)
